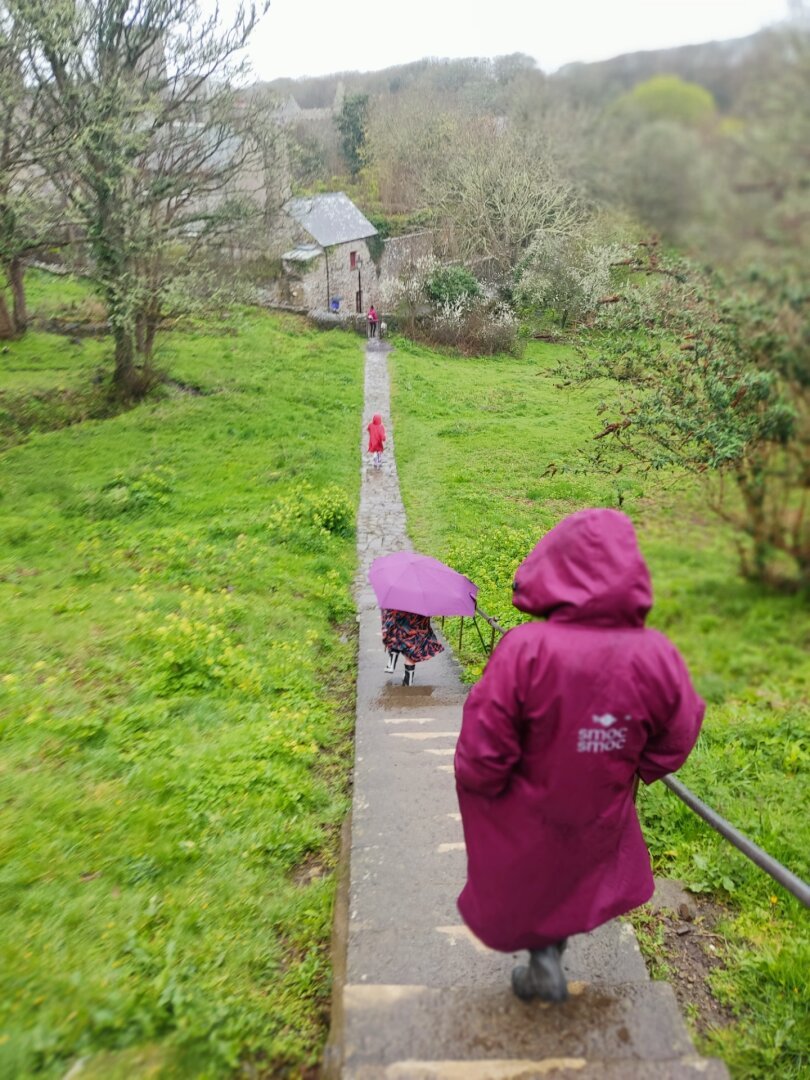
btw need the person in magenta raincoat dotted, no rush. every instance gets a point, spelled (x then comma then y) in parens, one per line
(568, 712)
(376, 439)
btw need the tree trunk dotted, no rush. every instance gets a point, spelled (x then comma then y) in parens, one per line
(146, 329)
(124, 376)
(7, 328)
(16, 273)
(149, 338)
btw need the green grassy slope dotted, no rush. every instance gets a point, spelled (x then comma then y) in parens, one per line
(475, 442)
(176, 694)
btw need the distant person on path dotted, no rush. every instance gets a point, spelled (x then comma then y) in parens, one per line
(372, 322)
(376, 440)
(566, 715)
(412, 636)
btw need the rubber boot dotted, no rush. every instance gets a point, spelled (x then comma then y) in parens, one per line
(410, 673)
(392, 662)
(543, 978)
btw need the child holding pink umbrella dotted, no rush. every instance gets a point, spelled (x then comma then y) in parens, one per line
(410, 588)
(411, 635)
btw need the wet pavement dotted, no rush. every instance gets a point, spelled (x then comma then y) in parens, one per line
(416, 995)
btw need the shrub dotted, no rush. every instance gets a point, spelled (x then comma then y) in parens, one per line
(564, 276)
(452, 285)
(338, 599)
(190, 652)
(482, 329)
(332, 511)
(718, 385)
(131, 494)
(307, 518)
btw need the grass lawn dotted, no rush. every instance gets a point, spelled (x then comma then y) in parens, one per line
(176, 695)
(482, 450)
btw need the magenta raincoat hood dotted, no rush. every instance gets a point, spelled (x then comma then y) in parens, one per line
(587, 569)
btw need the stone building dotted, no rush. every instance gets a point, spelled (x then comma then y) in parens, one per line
(328, 264)
(334, 260)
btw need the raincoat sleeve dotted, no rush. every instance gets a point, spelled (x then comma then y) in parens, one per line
(489, 745)
(677, 725)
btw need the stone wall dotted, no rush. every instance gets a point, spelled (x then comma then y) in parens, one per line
(400, 251)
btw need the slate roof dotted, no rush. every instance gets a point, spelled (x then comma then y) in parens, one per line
(330, 219)
(303, 253)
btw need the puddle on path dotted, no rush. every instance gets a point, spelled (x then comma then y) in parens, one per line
(401, 697)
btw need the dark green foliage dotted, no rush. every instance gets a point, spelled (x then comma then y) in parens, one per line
(381, 222)
(47, 410)
(452, 285)
(715, 380)
(376, 244)
(351, 123)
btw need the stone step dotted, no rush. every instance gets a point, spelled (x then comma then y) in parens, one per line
(686, 1068)
(422, 1032)
(389, 947)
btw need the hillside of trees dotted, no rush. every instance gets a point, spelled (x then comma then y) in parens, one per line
(693, 143)
(549, 197)
(717, 65)
(547, 200)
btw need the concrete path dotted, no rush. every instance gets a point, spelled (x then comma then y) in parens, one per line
(416, 996)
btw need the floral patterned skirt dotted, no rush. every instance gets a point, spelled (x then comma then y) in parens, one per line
(412, 635)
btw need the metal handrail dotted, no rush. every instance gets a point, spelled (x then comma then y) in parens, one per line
(780, 874)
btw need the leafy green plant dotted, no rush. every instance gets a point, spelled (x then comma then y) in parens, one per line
(191, 651)
(309, 518)
(716, 381)
(133, 494)
(449, 285)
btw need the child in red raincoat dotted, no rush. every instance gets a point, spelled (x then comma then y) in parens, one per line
(376, 439)
(568, 713)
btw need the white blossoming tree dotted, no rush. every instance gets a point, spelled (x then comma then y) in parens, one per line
(565, 276)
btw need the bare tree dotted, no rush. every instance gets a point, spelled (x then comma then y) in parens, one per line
(408, 133)
(770, 167)
(493, 197)
(28, 214)
(148, 143)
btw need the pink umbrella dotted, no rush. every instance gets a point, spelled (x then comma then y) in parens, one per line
(407, 581)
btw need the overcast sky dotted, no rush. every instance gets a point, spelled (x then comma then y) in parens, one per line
(318, 37)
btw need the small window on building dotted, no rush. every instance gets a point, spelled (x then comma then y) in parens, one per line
(352, 260)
